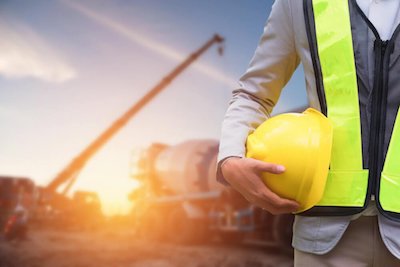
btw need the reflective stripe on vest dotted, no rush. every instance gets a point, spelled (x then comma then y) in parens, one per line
(390, 179)
(347, 180)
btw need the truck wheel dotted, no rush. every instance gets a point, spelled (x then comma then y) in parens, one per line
(183, 230)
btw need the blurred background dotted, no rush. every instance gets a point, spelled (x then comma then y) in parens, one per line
(109, 133)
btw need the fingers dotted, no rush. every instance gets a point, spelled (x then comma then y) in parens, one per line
(273, 203)
(283, 206)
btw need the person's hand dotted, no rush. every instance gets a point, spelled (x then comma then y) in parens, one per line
(244, 175)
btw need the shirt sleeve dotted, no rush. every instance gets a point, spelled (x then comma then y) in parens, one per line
(273, 63)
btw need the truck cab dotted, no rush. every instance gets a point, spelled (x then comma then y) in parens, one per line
(16, 193)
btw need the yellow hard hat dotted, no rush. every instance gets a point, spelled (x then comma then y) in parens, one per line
(302, 143)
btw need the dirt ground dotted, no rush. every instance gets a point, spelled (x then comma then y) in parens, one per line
(52, 248)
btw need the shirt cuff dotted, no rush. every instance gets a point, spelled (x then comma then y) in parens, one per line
(220, 177)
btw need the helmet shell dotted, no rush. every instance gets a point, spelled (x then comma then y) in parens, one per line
(302, 143)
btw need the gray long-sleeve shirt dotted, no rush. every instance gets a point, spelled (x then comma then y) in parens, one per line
(282, 47)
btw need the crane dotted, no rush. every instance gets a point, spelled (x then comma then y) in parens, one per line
(70, 173)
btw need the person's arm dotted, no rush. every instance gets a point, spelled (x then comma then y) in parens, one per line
(271, 67)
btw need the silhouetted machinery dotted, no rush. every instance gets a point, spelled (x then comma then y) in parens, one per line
(180, 200)
(56, 203)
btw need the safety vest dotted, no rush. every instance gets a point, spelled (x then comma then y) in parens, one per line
(350, 184)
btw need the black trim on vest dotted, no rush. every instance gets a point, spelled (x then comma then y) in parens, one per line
(369, 23)
(312, 41)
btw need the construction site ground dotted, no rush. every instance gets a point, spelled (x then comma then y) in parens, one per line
(121, 248)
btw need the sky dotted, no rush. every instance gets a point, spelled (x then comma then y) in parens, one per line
(69, 68)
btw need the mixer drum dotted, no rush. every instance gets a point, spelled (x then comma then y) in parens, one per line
(189, 167)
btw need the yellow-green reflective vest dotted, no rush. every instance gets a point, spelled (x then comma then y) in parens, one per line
(349, 186)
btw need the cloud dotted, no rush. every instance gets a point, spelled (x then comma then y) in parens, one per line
(23, 53)
(149, 44)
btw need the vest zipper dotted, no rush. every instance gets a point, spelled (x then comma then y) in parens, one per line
(377, 120)
(382, 106)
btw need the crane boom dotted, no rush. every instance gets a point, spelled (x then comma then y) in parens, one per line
(70, 172)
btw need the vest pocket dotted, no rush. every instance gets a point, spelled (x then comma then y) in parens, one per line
(389, 192)
(345, 188)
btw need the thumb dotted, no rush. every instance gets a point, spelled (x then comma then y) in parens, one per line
(262, 166)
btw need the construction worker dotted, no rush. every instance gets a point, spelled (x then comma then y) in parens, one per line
(350, 53)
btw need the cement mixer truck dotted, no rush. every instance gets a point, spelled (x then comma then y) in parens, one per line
(179, 199)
